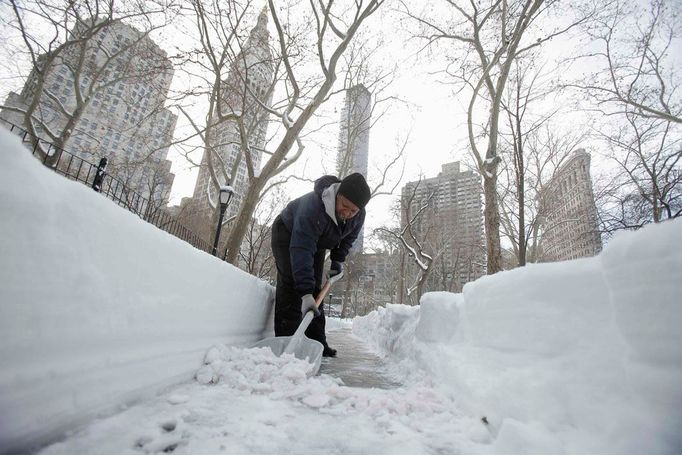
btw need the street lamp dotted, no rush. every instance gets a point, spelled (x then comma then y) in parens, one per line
(226, 193)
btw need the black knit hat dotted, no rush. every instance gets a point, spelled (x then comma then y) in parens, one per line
(354, 187)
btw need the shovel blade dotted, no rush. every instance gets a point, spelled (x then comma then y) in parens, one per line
(306, 349)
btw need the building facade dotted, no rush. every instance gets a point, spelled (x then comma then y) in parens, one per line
(109, 97)
(353, 150)
(569, 213)
(450, 229)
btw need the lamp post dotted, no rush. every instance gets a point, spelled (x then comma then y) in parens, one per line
(226, 193)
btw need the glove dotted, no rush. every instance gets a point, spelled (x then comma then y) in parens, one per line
(308, 304)
(335, 271)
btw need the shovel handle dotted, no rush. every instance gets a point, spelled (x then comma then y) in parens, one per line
(322, 294)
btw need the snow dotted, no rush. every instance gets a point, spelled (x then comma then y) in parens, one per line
(437, 311)
(261, 404)
(575, 357)
(99, 309)
(337, 323)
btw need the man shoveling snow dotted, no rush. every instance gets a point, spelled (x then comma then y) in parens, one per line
(328, 218)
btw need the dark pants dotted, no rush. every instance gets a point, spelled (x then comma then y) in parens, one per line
(287, 301)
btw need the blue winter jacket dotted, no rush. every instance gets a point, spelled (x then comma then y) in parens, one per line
(311, 220)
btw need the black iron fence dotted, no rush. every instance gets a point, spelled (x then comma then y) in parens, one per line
(76, 168)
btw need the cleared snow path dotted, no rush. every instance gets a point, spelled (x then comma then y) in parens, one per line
(247, 401)
(354, 364)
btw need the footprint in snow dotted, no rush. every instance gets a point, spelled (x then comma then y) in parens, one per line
(168, 425)
(166, 441)
(178, 398)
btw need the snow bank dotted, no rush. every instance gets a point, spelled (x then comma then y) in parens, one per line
(337, 323)
(258, 371)
(575, 357)
(438, 312)
(394, 327)
(98, 307)
(646, 292)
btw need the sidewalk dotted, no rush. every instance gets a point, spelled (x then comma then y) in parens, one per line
(257, 404)
(354, 364)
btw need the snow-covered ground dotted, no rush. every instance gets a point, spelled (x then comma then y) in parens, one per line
(98, 307)
(255, 403)
(581, 357)
(578, 357)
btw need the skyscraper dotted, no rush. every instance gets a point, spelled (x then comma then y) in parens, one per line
(356, 113)
(569, 214)
(119, 79)
(353, 152)
(452, 225)
(252, 69)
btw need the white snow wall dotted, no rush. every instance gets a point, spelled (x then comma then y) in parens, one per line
(575, 357)
(97, 307)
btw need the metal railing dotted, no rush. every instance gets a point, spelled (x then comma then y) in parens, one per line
(76, 168)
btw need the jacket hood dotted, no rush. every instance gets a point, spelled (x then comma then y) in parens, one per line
(324, 182)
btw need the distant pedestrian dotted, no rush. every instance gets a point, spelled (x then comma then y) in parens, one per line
(99, 175)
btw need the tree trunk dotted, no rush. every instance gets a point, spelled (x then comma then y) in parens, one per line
(492, 224)
(522, 229)
(521, 190)
(656, 207)
(422, 283)
(241, 223)
(401, 279)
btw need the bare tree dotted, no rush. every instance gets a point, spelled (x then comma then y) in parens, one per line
(351, 284)
(228, 79)
(256, 255)
(635, 53)
(87, 49)
(335, 29)
(546, 149)
(288, 82)
(389, 248)
(637, 92)
(487, 37)
(533, 146)
(647, 186)
(153, 183)
(413, 236)
(518, 106)
(375, 276)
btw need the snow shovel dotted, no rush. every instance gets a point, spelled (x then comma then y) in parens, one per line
(298, 344)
